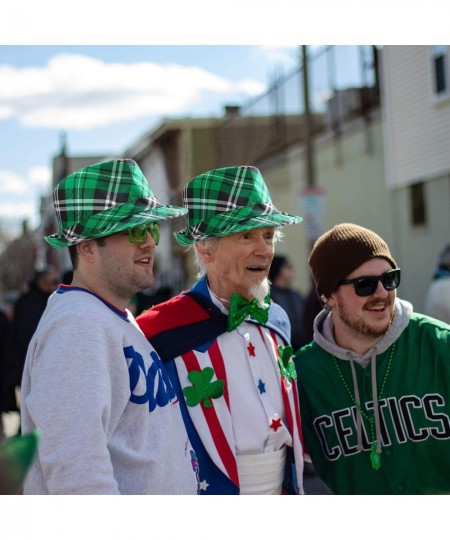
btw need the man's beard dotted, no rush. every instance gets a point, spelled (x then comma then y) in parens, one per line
(359, 325)
(259, 291)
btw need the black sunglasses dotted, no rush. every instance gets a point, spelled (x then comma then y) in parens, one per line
(367, 285)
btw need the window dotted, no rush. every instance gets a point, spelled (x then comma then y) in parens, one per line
(440, 70)
(417, 204)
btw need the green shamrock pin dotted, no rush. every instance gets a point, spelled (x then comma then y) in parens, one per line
(287, 366)
(202, 388)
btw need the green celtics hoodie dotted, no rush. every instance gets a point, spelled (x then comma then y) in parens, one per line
(379, 423)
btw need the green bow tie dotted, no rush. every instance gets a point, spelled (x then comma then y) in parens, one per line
(240, 308)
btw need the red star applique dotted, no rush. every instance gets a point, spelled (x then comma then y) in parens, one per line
(276, 423)
(251, 349)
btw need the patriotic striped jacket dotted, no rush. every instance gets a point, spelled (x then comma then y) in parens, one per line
(190, 335)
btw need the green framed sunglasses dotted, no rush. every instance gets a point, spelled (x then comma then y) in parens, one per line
(137, 235)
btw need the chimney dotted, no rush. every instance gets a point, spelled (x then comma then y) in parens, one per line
(232, 111)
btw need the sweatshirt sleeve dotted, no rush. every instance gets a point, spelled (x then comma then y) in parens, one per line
(70, 403)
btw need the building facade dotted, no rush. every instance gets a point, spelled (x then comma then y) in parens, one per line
(381, 156)
(178, 150)
(416, 116)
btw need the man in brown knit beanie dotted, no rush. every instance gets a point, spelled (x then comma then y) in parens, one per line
(341, 250)
(374, 384)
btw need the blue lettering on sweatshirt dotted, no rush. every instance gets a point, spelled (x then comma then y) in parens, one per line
(152, 385)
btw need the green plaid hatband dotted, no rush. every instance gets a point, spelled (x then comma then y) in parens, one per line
(227, 201)
(104, 199)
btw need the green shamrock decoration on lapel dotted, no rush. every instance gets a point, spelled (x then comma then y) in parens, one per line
(287, 366)
(202, 388)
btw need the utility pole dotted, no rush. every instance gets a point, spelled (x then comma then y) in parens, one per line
(310, 170)
(311, 196)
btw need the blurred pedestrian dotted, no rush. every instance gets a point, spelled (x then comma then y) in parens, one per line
(281, 277)
(375, 384)
(7, 394)
(93, 386)
(67, 277)
(156, 294)
(226, 346)
(437, 301)
(312, 306)
(28, 311)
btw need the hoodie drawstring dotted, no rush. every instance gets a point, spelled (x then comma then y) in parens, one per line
(376, 410)
(358, 403)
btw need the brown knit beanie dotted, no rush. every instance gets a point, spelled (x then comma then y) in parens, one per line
(341, 250)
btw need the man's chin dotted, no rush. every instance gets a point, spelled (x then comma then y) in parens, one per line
(260, 290)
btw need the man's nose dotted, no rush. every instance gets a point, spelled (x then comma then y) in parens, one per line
(380, 290)
(263, 246)
(148, 241)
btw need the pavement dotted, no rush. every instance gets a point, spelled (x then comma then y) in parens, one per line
(312, 484)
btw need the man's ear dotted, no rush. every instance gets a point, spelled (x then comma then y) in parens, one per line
(204, 251)
(86, 250)
(329, 302)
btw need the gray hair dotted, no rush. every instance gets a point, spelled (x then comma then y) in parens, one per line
(207, 244)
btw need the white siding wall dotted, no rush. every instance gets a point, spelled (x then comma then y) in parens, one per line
(417, 125)
(356, 191)
(351, 171)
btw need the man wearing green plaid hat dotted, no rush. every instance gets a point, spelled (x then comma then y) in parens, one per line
(93, 386)
(226, 346)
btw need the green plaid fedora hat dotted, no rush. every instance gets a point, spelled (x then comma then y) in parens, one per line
(227, 201)
(104, 199)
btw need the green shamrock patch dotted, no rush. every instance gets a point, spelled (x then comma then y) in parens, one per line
(287, 366)
(202, 388)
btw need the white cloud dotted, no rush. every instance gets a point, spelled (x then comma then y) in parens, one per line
(37, 179)
(40, 177)
(283, 56)
(11, 184)
(20, 195)
(24, 210)
(78, 92)
(5, 112)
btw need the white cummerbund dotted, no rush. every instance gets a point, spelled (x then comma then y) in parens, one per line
(261, 474)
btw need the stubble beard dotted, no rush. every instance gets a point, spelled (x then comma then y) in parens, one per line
(126, 286)
(359, 326)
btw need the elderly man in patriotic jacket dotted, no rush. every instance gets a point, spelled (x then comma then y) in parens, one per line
(226, 345)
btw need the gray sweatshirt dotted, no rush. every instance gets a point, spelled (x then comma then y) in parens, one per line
(107, 414)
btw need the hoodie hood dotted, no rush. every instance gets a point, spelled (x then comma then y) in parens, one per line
(323, 334)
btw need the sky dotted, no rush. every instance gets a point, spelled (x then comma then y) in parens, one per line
(104, 97)
(105, 72)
